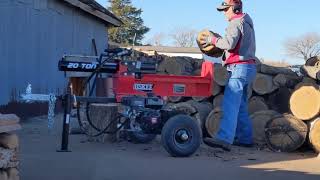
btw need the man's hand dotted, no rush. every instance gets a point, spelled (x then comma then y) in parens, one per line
(206, 40)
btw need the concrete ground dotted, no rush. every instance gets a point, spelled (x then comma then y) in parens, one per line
(123, 160)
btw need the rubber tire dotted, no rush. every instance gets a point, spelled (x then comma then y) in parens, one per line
(141, 138)
(168, 135)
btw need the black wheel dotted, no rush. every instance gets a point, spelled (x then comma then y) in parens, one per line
(181, 136)
(137, 135)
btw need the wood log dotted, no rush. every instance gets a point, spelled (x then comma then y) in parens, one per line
(8, 158)
(213, 121)
(185, 108)
(283, 80)
(256, 104)
(10, 128)
(259, 121)
(305, 101)
(216, 89)
(176, 99)
(279, 100)
(314, 134)
(312, 61)
(77, 85)
(286, 133)
(311, 71)
(177, 65)
(272, 70)
(102, 115)
(199, 98)
(217, 101)
(13, 174)
(9, 141)
(221, 75)
(263, 84)
(203, 110)
(306, 79)
(9, 119)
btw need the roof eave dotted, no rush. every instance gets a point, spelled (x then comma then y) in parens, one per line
(104, 17)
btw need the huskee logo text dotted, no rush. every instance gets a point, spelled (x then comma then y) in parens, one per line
(143, 87)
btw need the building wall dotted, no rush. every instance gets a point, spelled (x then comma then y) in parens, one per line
(34, 34)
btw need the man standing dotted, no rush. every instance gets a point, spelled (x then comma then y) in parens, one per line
(239, 57)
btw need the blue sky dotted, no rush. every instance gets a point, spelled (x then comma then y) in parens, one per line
(275, 20)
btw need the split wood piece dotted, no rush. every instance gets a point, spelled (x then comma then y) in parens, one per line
(314, 134)
(272, 70)
(279, 100)
(263, 84)
(257, 103)
(221, 75)
(213, 121)
(101, 116)
(218, 101)
(286, 133)
(259, 121)
(175, 99)
(203, 110)
(9, 119)
(209, 50)
(311, 71)
(305, 101)
(9, 141)
(216, 89)
(10, 128)
(284, 80)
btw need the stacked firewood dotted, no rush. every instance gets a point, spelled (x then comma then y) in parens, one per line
(9, 144)
(284, 104)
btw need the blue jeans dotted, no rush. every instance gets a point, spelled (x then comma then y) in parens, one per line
(236, 122)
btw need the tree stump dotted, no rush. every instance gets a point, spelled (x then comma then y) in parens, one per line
(286, 133)
(305, 101)
(263, 84)
(259, 120)
(102, 115)
(256, 104)
(213, 121)
(314, 134)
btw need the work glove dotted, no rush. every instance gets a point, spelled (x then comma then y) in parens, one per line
(206, 40)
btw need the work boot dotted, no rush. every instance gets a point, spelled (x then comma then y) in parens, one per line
(312, 71)
(217, 143)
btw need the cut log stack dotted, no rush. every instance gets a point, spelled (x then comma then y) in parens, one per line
(284, 105)
(9, 144)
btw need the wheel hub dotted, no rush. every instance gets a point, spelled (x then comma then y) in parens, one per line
(182, 136)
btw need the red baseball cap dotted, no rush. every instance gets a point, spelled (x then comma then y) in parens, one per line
(228, 3)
